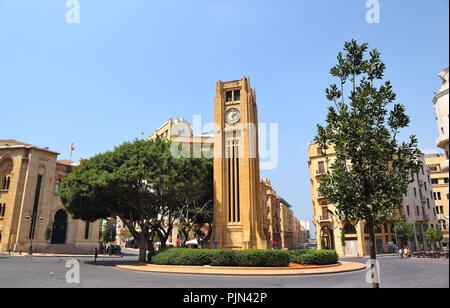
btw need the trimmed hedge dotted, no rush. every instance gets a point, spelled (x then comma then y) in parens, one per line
(313, 257)
(216, 257)
(242, 258)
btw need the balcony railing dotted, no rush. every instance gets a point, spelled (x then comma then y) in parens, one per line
(320, 172)
(423, 199)
(420, 182)
(422, 218)
(324, 218)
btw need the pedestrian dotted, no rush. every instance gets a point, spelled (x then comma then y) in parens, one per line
(400, 253)
(405, 252)
(95, 255)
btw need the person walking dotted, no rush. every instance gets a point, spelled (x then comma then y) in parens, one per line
(405, 252)
(95, 255)
(400, 253)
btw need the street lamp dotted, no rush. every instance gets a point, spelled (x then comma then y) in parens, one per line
(33, 224)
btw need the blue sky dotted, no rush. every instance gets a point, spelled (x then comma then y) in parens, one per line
(131, 65)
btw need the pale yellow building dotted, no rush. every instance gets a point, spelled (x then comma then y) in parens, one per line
(30, 178)
(288, 225)
(416, 208)
(272, 222)
(439, 182)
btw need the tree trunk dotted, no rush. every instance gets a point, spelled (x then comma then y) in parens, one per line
(373, 257)
(142, 248)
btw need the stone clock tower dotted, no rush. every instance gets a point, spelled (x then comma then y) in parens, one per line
(238, 212)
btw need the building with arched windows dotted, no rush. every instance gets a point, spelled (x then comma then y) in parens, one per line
(30, 207)
(417, 208)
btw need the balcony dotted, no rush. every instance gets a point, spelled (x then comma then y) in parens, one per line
(324, 218)
(442, 141)
(320, 172)
(423, 199)
(320, 195)
(420, 182)
(422, 218)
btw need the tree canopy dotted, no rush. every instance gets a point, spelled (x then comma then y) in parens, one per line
(141, 183)
(373, 168)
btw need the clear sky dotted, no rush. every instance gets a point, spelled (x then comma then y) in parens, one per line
(130, 65)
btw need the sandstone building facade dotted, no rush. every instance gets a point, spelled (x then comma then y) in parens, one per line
(439, 182)
(417, 208)
(30, 178)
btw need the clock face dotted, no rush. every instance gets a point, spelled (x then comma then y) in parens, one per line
(232, 116)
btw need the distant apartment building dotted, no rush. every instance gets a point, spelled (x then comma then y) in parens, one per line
(288, 225)
(305, 231)
(416, 208)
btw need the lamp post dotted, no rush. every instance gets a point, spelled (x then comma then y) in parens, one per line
(33, 224)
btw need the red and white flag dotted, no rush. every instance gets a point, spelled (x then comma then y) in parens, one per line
(72, 148)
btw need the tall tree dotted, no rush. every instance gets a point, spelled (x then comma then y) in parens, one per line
(130, 182)
(190, 195)
(196, 210)
(404, 231)
(372, 169)
(431, 236)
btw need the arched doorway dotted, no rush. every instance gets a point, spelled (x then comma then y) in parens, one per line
(327, 235)
(59, 229)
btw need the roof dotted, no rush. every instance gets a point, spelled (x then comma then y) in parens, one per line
(285, 203)
(67, 162)
(11, 144)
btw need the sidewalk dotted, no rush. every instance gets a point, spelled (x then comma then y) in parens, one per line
(341, 267)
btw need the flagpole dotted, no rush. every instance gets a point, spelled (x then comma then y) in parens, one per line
(71, 151)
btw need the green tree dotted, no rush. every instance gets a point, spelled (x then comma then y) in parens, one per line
(372, 169)
(197, 210)
(140, 182)
(190, 196)
(130, 182)
(109, 233)
(439, 237)
(419, 235)
(404, 231)
(431, 236)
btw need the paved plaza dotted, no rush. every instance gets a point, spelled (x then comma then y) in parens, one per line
(22, 271)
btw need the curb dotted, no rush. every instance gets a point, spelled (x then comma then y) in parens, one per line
(341, 267)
